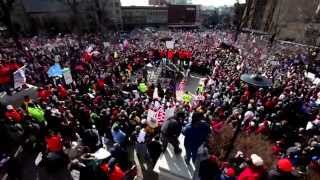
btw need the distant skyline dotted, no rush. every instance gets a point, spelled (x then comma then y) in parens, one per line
(202, 2)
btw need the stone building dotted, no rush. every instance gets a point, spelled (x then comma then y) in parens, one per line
(294, 20)
(41, 15)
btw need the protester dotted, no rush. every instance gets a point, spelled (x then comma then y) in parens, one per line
(196, 133)
(255, 169)
(170, 132)
(283, 171)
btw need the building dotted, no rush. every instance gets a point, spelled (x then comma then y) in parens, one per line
(144, 16)
(158, 2)
(183, 14)
(41, 15)
(114, 11)
(292, 20)
(180, 2)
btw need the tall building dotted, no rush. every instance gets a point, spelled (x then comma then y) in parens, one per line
(292, 20)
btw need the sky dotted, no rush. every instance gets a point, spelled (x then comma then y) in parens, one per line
(202, 2)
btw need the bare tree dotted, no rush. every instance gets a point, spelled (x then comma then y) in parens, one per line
(74, 7)
(6, 7)
(100, 11)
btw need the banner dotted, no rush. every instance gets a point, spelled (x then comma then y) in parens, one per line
(67, 76)
(55, 71)
(19, 77)
(310, 76)
(170, 44)
(160, 116)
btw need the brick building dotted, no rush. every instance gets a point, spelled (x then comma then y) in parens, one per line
(293, 20)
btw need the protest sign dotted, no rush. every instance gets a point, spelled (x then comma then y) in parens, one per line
(310, 75)
(169, 113)
(19, 77)
(160, 115)
(55, 71)
(170, 44)
(67, 76)
(106, 44)
(316, 81)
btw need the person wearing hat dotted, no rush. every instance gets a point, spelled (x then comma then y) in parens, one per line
(112, 170)
(228, 174)
(255, 169)
(13, 115)
(284, 171)
(54, 142)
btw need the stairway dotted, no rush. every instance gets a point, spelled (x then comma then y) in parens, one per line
(154, 75)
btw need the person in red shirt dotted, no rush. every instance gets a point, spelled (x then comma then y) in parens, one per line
(4, 74)
(13, 115)
(13, 66)
(87, 56)
(255, 170)
(43, 94)
(112, 170)
(170, 55)
(100, 84)
(62, 92)
(54, 143)
(189, 54)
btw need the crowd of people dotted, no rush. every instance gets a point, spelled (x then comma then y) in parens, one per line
(109, 100)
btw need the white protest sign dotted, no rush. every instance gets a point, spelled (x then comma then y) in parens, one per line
(67, 75)
(19, 77)
(106, 44)
(316, 81)
(310, 76)
(169, 113)
(170, 44)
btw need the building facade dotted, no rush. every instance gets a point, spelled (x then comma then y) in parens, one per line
(158, 2)
(292, 20)
(182, 14)
(176, 15)
(41, 15)
(144, 16)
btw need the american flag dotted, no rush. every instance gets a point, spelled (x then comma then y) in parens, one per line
(160, 115)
